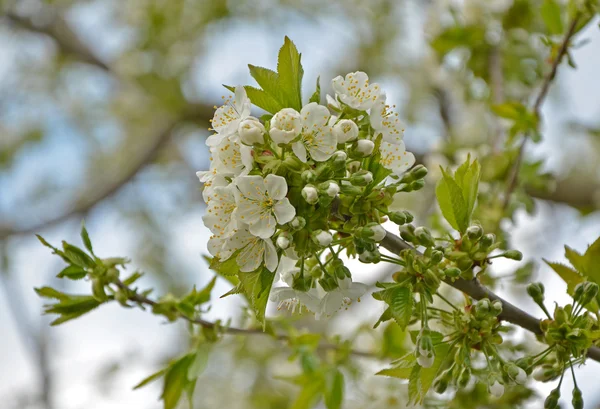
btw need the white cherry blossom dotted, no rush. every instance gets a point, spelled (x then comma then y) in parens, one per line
(227, 117)
(345, 131)
(386, 122)
(232, 158)
(254, 251)
(355, 91)
(288, 297)
(251, 131)
(347, 292)
(395, 157)
(285, 125)
(220, 215)
(211, 179)
(316, 137)
(262, 203)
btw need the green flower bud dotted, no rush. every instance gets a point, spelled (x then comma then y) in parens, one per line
(354, 166)
(464, 377)
(536, 291)
(452, 272)
(513, 255)
(440, 384)
(560, 316)
(373, 256)
(516, 373)
(436, 256)
(585, 292)
(310, 194)
(577, 399)
(361, 178)
(309, 176)
(474, 232)
(122, 298)
(496, 307)
(98, 290)
(298, 223)
(464, 263)
(551, 401)
(487, 240)
(546, 373)
(329, 188)
(416, 185)
(431, 280)
(418, 172)
(482, 308)
(371, 231)
(424, 237)
(339, 160)
(322, 238)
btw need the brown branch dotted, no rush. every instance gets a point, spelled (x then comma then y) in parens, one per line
(476, 290)
(514, 175)
(142, 300)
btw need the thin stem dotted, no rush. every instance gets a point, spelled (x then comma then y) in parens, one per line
(446, 301)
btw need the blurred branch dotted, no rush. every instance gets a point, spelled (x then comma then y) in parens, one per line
(514, 175)
(476, 290)
(143, 300)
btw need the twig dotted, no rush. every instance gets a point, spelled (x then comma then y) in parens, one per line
(476, 290)
(514, 175)
(142, 300)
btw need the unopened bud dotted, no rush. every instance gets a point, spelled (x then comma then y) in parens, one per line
(487, 240)
(536, 291)
(464, 377)
(370, 256)
(298, 223)
(497, 389)
(283, 242)
(545, 373)
(516, 374)
(372, 231)
(436, 256)
(585, 292)
(365, 147)
(474, 232)
(345, 131)
(513, 255)
(551, 401)
(577, 398)
(322, 237)
(399, 218)
(496, 307)
(310, 194)
(452, 272)
(425, 361)
(424, 237)
(361, 178)
(331, 189)
(251, 131)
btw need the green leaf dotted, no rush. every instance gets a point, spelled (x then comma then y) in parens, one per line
(72, 272)
(269, 82)
(77, 256)
(310, 393)
(451, 202)
(257, 286)
(467, 177)
(150, 379)
(592, 261)
(176, 381)
(576, 259)
(200, 362)
(551, 15)
(386, 316)
(71, 307)
(415, 387)
(290, 71)
(402, 368)
(49, 292)
(569, 275)
(510, 110)
(316, 96)
(401, 304)
(334, 390)
(86, 238)
(260, 98)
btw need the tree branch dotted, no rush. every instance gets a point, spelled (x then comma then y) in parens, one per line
(476, 290)
(142, 300)
(514, 175)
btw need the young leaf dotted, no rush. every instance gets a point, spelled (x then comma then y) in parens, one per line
(86, 238)
(72, 272)
(269, 82)
(451, 202)
(551, 15)
(401, 304)
(569, 275)
(150, 379)
(257, 286)
(176, 381)
(334, 390)
(592, 261)
(260, 98)
(290, 73)
(316, 96)
(78, 256)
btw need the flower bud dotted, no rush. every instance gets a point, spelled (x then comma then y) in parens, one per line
(345, 131)
(365, 147)
(496, 307)
(577, 399)
(516, 374)
(400, 218)
(331, 189)
(361, 178)
(322, 237)
(309, 176)
(431, 279)
(251, 131)
(98, 290)
(424, 237)
(482, 308)
(551, 401)
(416, 173)
(298, 223)
(585, 292)
(452, 272)
(371, 231)
(440, 385)
(536, 291)
(283, 242)
(339, 160)
(464, 377)
(545, 373)
(436, 256)
(285, 125)
(310, 194)
(487, 240)
(513, 255)
(496, 389)
(474, 232)
(370, 256)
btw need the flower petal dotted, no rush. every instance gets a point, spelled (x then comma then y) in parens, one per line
(264, 227)
(284, 211)
(276, 186)
(300, 151)
(270, 255)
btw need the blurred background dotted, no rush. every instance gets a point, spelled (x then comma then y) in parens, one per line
(104, 109)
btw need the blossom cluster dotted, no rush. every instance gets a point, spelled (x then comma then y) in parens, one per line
(289, 192)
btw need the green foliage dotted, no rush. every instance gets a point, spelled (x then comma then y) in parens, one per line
(457, 194)
(257, 286)
(524, 121)
(69, 306)
(551, 14)
(281, 89)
